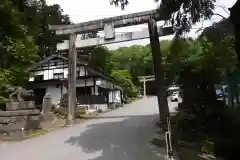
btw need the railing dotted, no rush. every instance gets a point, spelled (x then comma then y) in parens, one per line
(168, 139)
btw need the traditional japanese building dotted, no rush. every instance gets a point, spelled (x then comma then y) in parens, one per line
(93, 86)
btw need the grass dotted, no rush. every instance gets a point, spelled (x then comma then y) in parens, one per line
(26, 135)
(37, 133)
(131, 99)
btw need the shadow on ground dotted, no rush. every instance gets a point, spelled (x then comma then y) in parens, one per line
(119, 138)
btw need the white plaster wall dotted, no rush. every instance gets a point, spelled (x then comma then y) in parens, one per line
(64, 89)
(31, 79)
(65, 72)
(82, 72)
(58, 70)
(55, 93)
(48, 74)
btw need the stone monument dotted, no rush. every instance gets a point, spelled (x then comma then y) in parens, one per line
(20, 112)
(46, 107)
(20, 98)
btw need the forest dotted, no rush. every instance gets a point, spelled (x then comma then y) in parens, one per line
(25, 38)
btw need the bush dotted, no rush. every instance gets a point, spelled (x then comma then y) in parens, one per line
(227, 140)
(125, 78)
(218, 133)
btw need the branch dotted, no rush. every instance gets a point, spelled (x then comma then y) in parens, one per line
(224, 8)
(217, 14)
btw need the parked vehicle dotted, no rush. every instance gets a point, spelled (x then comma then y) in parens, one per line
(219, 94)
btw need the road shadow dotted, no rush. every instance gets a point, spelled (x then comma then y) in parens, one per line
(120, 139)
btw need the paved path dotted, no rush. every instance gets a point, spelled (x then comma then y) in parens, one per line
(122, 134)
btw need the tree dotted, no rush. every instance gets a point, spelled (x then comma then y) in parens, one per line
(124, 76)
(234, 13)
(24, 38)
(182, 14)
(185, 13)
(17, 48)
(99, 57)
(36, 15)
(45, 38)
(218, 31)
(136, 58)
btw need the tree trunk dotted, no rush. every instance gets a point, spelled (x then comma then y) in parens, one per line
(158, 69)
(236, 93)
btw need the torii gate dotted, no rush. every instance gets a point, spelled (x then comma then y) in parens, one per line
(109, 25)
(145, 79)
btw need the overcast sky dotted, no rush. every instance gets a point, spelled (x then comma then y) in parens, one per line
(86, 10)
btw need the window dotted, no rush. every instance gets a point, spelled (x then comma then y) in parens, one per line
(58, 75)
(38, 77)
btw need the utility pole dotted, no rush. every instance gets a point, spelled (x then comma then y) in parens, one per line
(158, 69)
(72, 61)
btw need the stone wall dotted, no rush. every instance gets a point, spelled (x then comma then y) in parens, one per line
(18, 116)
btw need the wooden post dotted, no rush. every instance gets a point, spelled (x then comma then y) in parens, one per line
(158, 69)
(144, 87)
(72, 62)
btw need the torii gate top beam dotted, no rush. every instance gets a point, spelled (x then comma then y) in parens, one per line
(98, 25)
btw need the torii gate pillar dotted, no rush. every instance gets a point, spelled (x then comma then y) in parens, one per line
(72, 64)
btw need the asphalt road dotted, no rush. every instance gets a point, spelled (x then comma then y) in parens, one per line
(122, 134)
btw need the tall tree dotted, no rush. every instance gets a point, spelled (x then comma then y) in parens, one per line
(17, 48)
(24, 37)
(234, 13)
(36, 15)
(184, 13)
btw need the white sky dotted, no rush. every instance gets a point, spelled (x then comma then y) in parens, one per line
(86, 10)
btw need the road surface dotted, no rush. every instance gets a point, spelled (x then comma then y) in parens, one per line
(122, 134)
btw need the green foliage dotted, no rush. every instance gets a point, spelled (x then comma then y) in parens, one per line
(205, 63)
(217, 58)
(218, 31)
(99, 57)
(25, 38)
(182, 14)
(17, 49)
(137, 59)
(131, 99)
(131, 61)
(124, 76)
(185, 13)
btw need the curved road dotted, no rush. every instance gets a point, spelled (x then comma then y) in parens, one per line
(122, 134)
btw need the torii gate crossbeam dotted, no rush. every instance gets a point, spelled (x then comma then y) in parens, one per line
(124, 37)
(98, 25)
